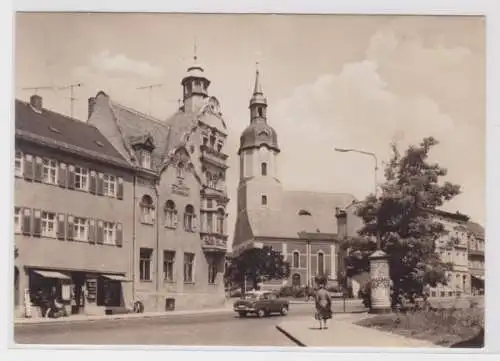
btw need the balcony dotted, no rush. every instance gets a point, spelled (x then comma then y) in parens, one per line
(476, 252)
(213, 242)
(214, 157)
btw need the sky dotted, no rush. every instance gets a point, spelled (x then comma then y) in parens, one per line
(359, 81)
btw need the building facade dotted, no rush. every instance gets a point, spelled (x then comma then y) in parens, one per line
(72, 214)
(463, 248)
(301, 225)
(179, 201)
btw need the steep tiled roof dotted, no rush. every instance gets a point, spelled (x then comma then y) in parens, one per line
(287, 222)
(136, 125)
(59, 130)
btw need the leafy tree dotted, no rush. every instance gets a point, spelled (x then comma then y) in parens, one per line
(256, 264)
(402, 221)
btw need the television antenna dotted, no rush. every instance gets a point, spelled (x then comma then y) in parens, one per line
(150, 93)
(72, 98)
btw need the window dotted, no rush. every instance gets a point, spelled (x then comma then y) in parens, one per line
(210, 203)
(321, 263)
(209, 222)
(180, 170)
(205, 141)
(170, 214)
(109, 185)
(146, 159)
(263, 169)
(296, 259)
(19, 164)
(189, 218)
(147, 209)
(81, 178)
(168, 266)
(49, 171)
(219, 147)
(212, 180)
(48, 224)
(212, 271)
(109, 233)
(145, 259)
(259, 110)
(197, 82)
(17, 220)
(80, 229)
(212, 141)
(188, 267)
(220, 221)
(264, 200)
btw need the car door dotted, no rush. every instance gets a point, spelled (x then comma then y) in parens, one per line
(264, 303)
(273, 303)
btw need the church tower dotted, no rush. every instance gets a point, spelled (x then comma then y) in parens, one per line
(259, 187)
(195, 87)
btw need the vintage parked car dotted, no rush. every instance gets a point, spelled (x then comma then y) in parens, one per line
(261, 303)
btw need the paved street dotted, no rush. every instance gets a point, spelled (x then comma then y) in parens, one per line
(223, 329)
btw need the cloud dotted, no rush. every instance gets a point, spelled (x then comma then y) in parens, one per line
(119, 65)
(403, 90)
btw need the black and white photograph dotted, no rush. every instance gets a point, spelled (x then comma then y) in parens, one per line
(248, 180)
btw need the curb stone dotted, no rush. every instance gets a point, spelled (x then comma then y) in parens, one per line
(290, 336)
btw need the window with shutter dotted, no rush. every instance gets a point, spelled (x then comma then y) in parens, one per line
(28, 167)
(61, 224)
(69, 228)
(100, 184)
(27, 221)
(119, 191)
(37, 223)
(71, 177)
(38, 169)
(119, 235)
(93, 182)
(92, 231)
(62, 175)
(100, 232)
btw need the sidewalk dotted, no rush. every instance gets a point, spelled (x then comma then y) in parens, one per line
(342, 332)
(86, 318)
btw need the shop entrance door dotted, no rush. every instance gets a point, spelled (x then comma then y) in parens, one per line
(78, 301)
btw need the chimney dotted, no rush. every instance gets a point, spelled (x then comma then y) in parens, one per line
(36, 103)
(91, 106)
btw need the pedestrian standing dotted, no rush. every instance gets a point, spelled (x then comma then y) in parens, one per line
(323, 305)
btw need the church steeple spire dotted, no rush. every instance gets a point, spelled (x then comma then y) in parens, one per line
(258, 102)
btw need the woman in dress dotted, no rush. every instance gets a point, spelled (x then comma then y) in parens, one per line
(323, 305)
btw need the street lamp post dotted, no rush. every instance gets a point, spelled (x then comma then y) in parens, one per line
(373, 155)
(379, 262)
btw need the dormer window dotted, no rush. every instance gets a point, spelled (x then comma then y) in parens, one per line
(146, 159)
(219, 147)
(212, 141)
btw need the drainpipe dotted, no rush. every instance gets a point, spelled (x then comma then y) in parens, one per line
(157, 235)
(133, 239)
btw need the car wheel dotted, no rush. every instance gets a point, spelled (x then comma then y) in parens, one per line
(284, 311)
(242, 314)
(261, 313)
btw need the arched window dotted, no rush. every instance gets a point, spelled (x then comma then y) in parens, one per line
(296, 280)
(180, 170)
(259, 110)
(220, 221)
(147, 209)
(321, 264)
(170, 214)
(189, 218)
(296, 259)
(263, 169)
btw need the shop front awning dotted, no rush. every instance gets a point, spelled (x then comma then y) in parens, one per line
(52, 274)
(116, 278)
